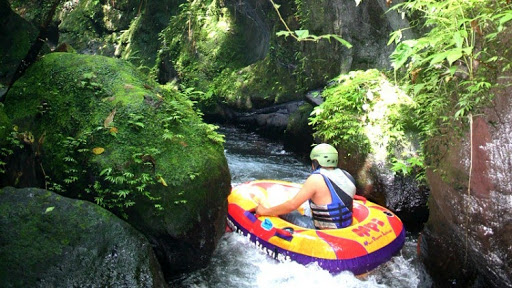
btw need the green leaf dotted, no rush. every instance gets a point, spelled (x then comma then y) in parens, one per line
(452, 70)
(302, 34)
(106, 171)
(467, 50)
(402, 52)
(457, 38)
(123, 193)
(437, 58)
(418, 87)
(49, 209)
(505, 17)
(453, 55)
(459, 113)
(283, 33)
(395, 37)
(341, 40)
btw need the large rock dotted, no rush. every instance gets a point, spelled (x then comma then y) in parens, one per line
(53, 241)
(366, 26)
(92, 127)
(16, 35)
(467, 240)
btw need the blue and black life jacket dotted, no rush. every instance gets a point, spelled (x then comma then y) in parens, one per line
(338, 214)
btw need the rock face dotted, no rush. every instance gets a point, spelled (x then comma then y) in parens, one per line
(17, 35)
(467, 240)
(366, 26)
(404, 195)
(53, 241)
(93, 127)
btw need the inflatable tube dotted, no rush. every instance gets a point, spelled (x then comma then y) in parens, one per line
(375, 235)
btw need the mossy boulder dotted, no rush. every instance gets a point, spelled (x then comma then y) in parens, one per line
(368, 117)
(233, 53)
(92, 127)
(53, 241)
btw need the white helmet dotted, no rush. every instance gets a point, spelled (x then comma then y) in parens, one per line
(325, 154)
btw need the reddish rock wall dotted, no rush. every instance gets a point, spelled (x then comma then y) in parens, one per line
(468, 238)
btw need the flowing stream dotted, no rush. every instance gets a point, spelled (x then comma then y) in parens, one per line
(238, 263)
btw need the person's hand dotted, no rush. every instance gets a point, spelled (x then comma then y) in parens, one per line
(259, 198)
(260, 210)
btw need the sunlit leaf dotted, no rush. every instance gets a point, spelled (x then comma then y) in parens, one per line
(98, 150)
(437, 58)
(49, 209)
(505, 17)
(341, 40)
(395, 37)
(457, 38)
(453, 55)
(109, 119)
(302, 34)
(161, 180)
(283, 33)
(452, 70)
(28, 137)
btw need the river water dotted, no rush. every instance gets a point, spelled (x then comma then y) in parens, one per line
(238, 263)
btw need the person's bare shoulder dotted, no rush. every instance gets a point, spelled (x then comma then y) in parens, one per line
(314, 179)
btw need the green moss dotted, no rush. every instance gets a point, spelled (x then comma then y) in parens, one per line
(83, 24)
(210, 56)
(154, 145)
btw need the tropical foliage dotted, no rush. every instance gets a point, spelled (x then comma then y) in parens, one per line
(450, 72)
(452, 68)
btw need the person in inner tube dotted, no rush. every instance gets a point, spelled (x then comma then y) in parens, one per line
(329, 189)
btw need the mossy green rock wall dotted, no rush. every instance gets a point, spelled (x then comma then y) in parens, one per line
(124, 28)
(92, 127)
(53, 241)
(231, 51)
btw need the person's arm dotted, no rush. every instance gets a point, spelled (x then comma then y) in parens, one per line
(306, 192)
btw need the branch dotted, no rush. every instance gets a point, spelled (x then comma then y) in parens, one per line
(303, 35)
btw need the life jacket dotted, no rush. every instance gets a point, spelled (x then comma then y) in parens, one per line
(337, 214)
